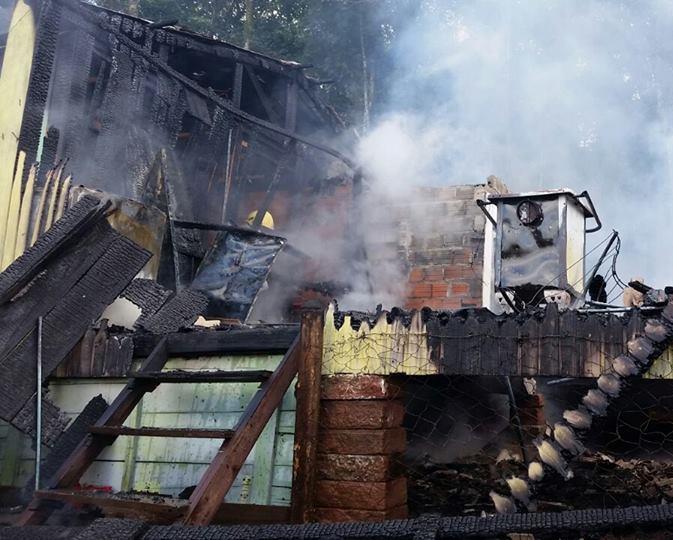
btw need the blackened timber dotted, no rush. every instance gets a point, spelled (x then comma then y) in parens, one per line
(214, 376)
(291, 106)
(98, 354)
(271, 113)
(73, 435)
(222, 471)
(190, 433)
(48, 28)
(179, 312)
(53, 421)
(67, 322)
(233, 340)
(19, 317)
(148, 295)
(83, 214)
(156, 509)
(228, 106)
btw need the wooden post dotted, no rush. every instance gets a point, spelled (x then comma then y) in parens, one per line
(308, 410)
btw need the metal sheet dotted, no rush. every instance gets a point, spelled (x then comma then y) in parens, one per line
(531, 255)
(235, 270)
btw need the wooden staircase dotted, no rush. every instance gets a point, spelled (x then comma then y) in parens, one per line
(209, 494)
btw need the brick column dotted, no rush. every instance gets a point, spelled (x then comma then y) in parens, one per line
(361, 438)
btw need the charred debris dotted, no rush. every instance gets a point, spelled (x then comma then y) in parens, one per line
(201, 166)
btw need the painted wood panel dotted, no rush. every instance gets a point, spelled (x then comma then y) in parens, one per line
(167, 465)
(14, 79)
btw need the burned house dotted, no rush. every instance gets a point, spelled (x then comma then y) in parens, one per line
(169, 337)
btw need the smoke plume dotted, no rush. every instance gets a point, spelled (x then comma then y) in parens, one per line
(563, 93)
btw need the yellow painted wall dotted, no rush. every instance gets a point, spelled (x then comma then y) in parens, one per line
(14, 79)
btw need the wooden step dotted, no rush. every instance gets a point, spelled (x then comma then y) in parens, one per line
(215, 376)
(192, 433)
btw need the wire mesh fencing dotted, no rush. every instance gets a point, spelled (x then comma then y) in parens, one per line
(543, 416)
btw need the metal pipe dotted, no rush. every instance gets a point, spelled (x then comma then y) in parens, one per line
(482, 206)
(38, 443)
(599, 225)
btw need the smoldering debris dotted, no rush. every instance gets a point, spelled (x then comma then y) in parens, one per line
(464, 488)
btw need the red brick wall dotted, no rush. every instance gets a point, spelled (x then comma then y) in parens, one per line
(359, 473)
(444, 246)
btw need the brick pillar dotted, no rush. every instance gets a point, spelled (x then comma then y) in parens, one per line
(361, 438)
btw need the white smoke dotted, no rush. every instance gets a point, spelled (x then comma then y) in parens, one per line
(563, 93)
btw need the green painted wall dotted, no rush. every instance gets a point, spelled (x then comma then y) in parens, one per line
(168, 466)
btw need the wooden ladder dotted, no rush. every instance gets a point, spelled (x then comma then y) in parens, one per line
(237, 443)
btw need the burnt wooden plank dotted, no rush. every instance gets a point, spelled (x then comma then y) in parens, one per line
(230, 340)
(471, 345)
(65, 324)
(593, 333)
(308, 392)
(53, 422)
(80, 216)
(148, 295)
(214, 376)
(222, 471)
(196, 433)
(488, 361)
(114, 357)
(569, 345)
(177, 313)
(508, 358)
(549, 341)
(72, 436)
(450, 335)
(164, 510)
(153, 509)
(529, 347)
(19, 317)
(264, 99)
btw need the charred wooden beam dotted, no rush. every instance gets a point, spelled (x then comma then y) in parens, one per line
(231, 340)
(73, 435)
(148, 295)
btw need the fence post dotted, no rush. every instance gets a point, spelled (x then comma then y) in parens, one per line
(307, 415)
